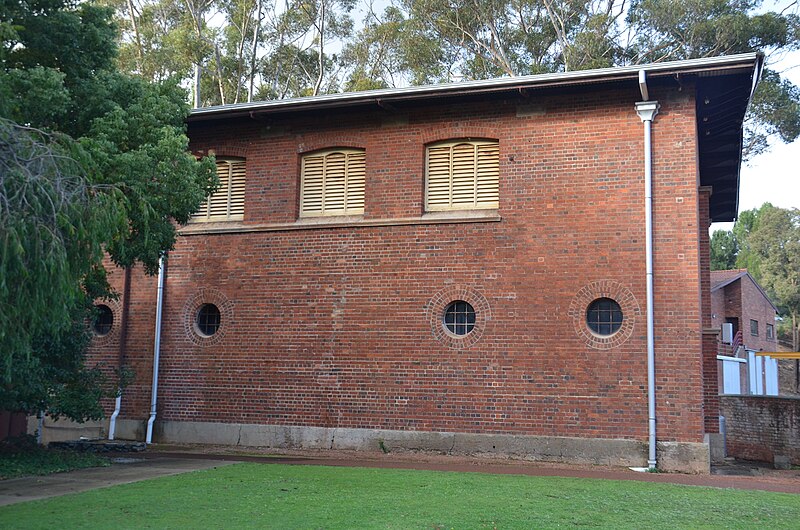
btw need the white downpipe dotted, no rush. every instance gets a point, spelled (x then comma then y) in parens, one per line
(647, 111)
(40, 429)
(112, 423)
(156, 352)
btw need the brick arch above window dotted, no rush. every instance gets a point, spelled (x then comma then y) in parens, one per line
(445, 132)
(236, 151)
(330, 141)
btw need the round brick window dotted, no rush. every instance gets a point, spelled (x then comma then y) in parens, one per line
(103, 321)
(604, 314)
(208, 320)
(604, 317)
(459, 318)
(208, 316)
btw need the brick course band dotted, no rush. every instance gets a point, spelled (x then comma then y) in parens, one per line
(604, 289)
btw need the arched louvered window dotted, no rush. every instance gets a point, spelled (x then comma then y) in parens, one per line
(462, 175)
(227, 203)
(332, 183)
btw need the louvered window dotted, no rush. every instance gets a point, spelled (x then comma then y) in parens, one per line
(227, 203)
(332, 183)
(462, 175)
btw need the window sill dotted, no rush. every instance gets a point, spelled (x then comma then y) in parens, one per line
(433, 218)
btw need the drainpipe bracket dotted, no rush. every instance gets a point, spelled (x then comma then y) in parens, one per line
(647, 110)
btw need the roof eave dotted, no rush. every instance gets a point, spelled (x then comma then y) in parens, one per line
(582, 77)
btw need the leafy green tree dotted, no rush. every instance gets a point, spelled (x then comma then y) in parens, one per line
(746, 224)
(776, 241)
(723, 250)
(687, 29)
(52, 224)
(291, 48)
(766, 241)
(99, 167)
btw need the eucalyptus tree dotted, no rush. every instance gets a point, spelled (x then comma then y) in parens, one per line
(686, 29)
(446, 40)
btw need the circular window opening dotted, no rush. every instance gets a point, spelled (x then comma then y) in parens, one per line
(604, 317)
(459, 318)
(208, 319)
(103, 320)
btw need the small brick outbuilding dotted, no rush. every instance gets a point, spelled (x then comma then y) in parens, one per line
(738, 299)
(458, 267)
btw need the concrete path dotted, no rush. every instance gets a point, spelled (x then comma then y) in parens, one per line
(137, 468)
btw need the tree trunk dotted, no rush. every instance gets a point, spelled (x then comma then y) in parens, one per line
(321, 64)
(218, 62)
(795, 347)
(197, 86)
(139, 54)
(256, 33)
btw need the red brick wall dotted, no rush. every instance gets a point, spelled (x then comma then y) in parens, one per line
(710, 337)
(719, 309)
(755, 306)
(332, 326)
(760, 427)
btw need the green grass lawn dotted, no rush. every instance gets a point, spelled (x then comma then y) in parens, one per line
(280, 496)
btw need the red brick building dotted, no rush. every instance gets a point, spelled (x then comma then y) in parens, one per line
(458, 267)
(739, 303)
(737, 299)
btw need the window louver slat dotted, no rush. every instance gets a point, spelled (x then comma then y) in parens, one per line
(356, 177)
(488, 175)
(312, 183)
(462, 175)
(335, 173)
(227, 203)
(333, 183)
(439, 180)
